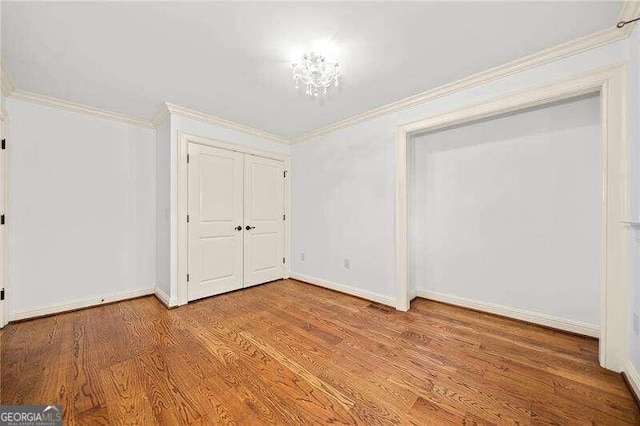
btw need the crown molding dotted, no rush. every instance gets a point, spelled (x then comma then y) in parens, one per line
(168, 108)
(6, 85)
(9, 89)
(160, 115)
(75, 107)
(630, 10)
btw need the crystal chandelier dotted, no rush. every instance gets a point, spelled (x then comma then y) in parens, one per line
(316, 74)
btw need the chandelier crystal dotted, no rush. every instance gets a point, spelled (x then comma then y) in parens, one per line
(316, 74)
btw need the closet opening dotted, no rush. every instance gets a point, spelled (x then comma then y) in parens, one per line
(489, 185)
(505, 214)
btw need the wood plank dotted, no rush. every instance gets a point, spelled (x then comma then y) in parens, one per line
(85, 389)
(128, 403)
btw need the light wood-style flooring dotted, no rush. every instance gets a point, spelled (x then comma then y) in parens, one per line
(292, 353)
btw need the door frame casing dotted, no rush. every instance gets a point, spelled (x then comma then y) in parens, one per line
(611, 84)
(183, 189)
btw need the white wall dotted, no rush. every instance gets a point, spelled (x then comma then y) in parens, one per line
(81, 207)
(507, 211)
(169, 266)
(343, 189)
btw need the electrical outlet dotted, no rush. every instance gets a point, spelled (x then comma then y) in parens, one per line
(636, 323)
(347, 263)
(302, 256)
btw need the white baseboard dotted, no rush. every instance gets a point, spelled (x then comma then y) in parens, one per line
(79, 304)
(165, 299)
(353, 291)
(633, 377)
(413, 293)
(506, 311)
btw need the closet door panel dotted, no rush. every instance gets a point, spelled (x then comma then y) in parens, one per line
(264, 221)
(215, 213)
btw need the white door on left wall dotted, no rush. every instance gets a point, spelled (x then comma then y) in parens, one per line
(3, 226)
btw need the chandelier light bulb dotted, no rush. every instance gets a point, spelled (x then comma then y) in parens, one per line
(316, 74)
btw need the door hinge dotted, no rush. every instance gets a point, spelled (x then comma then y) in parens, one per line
(187, 218)
(187, 277)
(4, 144)
(285, 173)
(283, 260)
(2, 294)
(284, 217)
(187, 158)
(1, 219)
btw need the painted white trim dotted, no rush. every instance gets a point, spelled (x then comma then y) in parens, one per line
(165, 299)
(182, 235)
(633, 377)
(80, 304)
(10, 91)
(168, 108)
(413, 293)
(160, 115)
(342, 288)
(629, 10)
(509, 312)
(6, 84)
(287, 222)
(614, 256)
(233, 147)
(75, 107)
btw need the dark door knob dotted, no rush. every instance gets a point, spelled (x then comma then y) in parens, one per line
(250, 227)
(238, 228)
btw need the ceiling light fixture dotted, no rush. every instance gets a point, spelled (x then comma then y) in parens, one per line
(316, 74)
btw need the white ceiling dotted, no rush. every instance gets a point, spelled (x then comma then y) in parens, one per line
(232, 60)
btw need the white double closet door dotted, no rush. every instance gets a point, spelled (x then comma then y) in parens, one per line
(236, 220)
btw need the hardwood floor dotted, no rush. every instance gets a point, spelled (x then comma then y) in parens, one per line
(289, 352)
